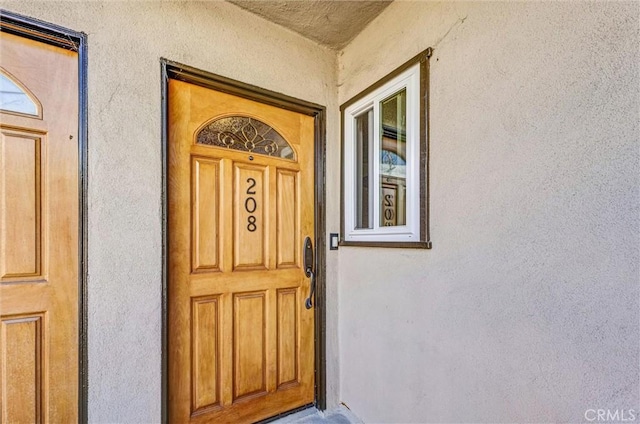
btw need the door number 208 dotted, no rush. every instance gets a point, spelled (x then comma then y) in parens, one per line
(250, 205)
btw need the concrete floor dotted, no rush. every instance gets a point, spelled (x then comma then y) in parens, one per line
(340, 415)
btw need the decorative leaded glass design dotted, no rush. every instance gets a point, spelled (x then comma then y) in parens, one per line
(247, 135)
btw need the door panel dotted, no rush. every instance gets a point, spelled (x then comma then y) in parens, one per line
(38, 233)
(240, 202)
(287, 307)
(205, 342)
(22, 357)
(251, 226)
(249, 344)
(287, 232)
(22, 165)
(205, 217)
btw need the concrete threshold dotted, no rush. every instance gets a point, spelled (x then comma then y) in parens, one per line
(339, 415)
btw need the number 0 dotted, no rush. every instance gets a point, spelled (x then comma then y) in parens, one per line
(250, 205)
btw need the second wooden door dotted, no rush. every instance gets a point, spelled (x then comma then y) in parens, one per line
(38, 232)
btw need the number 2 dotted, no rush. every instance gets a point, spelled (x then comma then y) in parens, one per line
(250, 188)
(387, 200)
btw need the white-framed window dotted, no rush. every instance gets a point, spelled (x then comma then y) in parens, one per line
(384, 161)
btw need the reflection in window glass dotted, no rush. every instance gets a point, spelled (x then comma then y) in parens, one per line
(393, 168)
(14, 99)
(364, 164)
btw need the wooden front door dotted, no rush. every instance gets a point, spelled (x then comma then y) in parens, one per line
(240, 205)
(38, 232)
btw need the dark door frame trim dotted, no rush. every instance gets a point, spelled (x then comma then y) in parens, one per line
(48, 33)
(174, 70)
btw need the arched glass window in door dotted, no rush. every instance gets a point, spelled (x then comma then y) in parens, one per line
(16, 98)
(245, 134)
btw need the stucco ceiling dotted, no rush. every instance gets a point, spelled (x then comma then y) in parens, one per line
(330, 22)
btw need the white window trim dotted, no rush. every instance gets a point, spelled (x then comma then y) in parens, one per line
(409, 79)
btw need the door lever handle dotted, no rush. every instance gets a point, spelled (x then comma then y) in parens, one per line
(309, 259)
(308, 304)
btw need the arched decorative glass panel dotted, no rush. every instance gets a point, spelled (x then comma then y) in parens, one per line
(15, 98)
(247, 135)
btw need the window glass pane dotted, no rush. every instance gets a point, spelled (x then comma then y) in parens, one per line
(393, 160)
(14, 99)
(364, 165)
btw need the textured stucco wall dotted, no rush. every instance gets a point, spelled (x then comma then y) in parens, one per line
(526, 309)
(126, 41)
